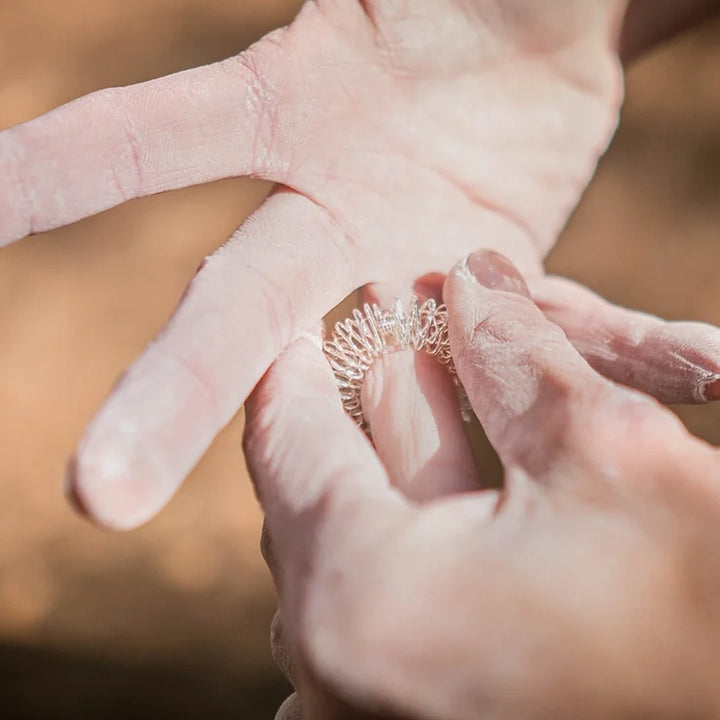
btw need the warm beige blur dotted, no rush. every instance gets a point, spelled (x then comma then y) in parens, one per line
(173, 618)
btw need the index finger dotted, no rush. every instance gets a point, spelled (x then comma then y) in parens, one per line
(537, 398)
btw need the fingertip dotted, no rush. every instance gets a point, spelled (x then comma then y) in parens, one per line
(490, 270)
(104, 488)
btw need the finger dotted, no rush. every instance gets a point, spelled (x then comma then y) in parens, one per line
(314, 471)
(280, 649)
(221, 120)
(411, 405)
(285, 268)
(291, 709)
(279, 645)
(676, 362)
(536, 397)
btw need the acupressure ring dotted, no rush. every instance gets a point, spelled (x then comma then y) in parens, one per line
(361, 339)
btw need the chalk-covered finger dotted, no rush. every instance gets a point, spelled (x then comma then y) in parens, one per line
(537, 398)
(675, 362)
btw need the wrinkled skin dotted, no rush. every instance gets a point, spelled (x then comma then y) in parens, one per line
(402, 135)
(587, 588)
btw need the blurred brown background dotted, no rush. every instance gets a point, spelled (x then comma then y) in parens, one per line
(173, 619)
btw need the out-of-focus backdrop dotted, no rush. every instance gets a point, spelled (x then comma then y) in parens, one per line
(172, 620)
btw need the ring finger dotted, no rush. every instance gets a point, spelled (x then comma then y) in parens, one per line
(410, 402)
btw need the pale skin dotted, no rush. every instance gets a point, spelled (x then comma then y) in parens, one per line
(403, 135)
(587, 588)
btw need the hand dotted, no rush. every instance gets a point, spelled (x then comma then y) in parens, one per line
(588, 587)
(402, 136)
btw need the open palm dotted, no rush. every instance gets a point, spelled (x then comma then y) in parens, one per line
(402, 135)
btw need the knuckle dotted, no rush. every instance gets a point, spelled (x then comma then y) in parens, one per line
(630, 414)
(264, 281)
(197, 380)
(517, 328)
(258, 67)
(266, 547)
(127, 168)
(617, 430)
(280, 647)
(503, 324)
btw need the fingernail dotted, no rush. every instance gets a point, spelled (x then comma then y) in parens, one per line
(711, 390)
(496, 272)
(70, 490)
